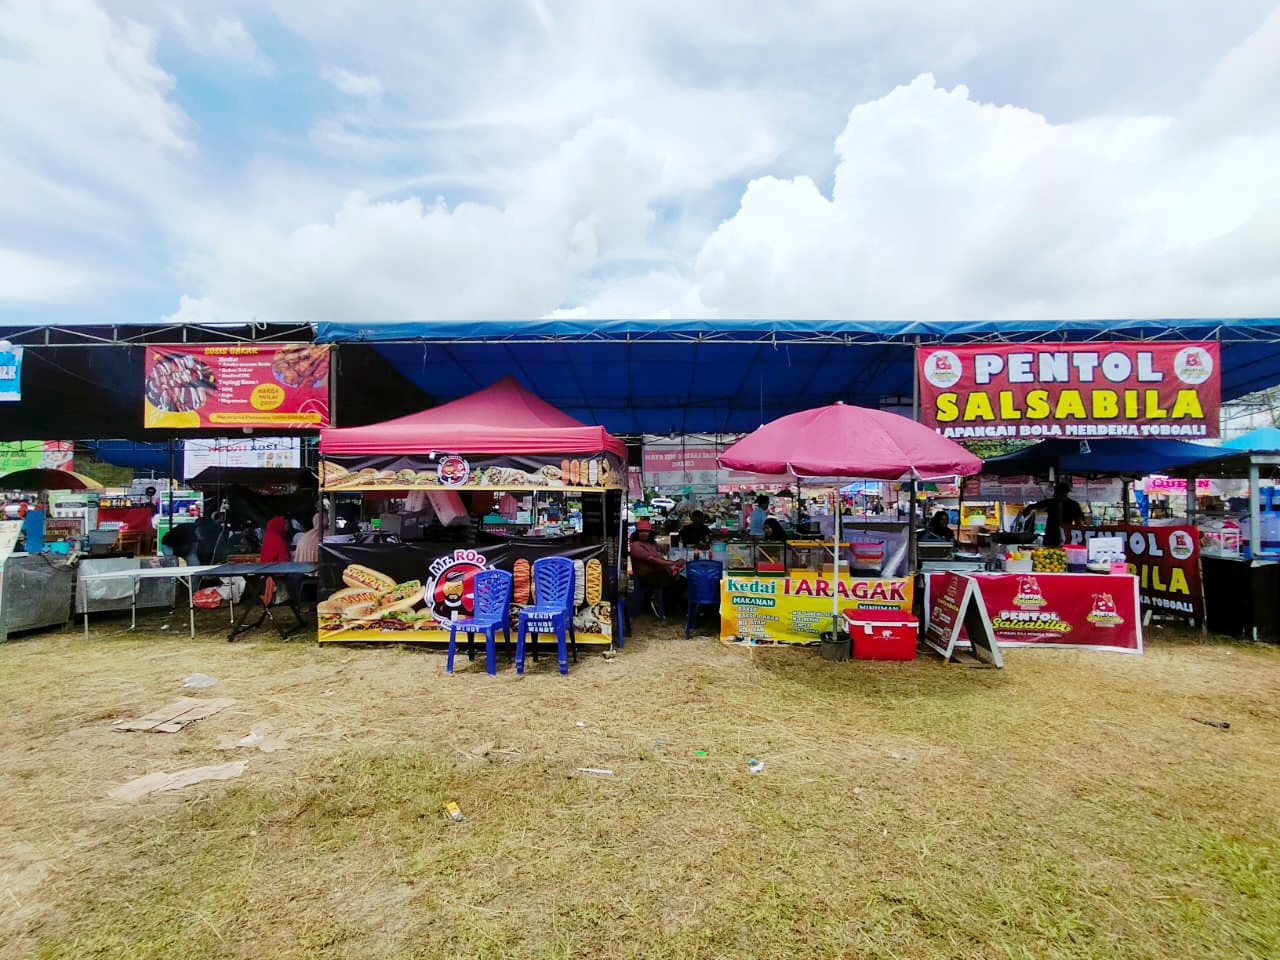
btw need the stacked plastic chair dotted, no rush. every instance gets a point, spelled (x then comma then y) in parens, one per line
(492, 610)
(703, 578)
(550, 612)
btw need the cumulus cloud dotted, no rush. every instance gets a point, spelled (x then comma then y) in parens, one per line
(403, 259)
(360, 85)
(944, 207)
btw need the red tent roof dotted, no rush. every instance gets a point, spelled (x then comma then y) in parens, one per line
(504, 417)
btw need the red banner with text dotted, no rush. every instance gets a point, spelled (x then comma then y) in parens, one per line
(281, 385)
(1091, 611)
(1081, 390)
(1166, 561)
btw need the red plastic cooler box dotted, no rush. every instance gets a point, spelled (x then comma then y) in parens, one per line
(882, 634)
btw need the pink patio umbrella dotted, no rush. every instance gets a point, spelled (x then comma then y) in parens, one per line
(842, 442)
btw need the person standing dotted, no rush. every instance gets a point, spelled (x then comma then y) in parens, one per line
(1060, 512)
(759, 514)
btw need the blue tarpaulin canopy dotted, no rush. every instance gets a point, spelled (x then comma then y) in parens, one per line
(731, 376)
(629, 376)
(1261, 440)
(1104, 458)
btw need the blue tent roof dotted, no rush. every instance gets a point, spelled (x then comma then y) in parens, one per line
(731, 376)
(1117, 457)
(1263, 439)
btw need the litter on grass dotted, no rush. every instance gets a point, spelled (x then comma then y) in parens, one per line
(174, 716)
(453, 812)
(198, 681)
(160, 782)
(596, 771)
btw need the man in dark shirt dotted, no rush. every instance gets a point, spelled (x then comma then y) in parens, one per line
(1060, 512)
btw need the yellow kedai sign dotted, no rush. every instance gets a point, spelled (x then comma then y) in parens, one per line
(797, 608)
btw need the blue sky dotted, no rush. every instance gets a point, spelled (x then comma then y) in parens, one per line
(394, 160)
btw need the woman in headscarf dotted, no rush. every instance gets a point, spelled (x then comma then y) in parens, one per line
(308, 548)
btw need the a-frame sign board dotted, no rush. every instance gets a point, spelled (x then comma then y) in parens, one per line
(953, 604)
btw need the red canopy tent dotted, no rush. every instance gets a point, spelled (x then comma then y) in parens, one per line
(503, 418)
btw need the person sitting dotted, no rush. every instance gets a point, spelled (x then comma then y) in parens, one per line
(696, 533)
(938, 528)
(651, 568)
(773, 530)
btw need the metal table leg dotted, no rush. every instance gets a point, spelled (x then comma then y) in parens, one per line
(191, 607)
(133, 606)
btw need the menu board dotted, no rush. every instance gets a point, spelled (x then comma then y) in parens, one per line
(261, 452)
(237, 385)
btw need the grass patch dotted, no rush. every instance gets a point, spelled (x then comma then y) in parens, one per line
(1065, 807)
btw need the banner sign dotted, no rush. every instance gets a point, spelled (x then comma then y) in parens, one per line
(451, 471)
(259, 452)
(953, 606)
(409, 593)
(18, 455)
(797, 608)
(10, 373)
(678, 467)
(1030, 391)
(1166, 561)
(1158, 483)
(1086, 611)
(237, 385)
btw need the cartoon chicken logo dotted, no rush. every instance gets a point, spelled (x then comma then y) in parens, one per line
(1104, 613)
(1029, 594)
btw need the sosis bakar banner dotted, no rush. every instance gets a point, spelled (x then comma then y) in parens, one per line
(1072, 390)
(409, 593)
(283, 385)
(797, 608)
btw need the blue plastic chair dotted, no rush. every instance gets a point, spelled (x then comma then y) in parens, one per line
(642, 593)
(703, 578)
(551, 610)
(492, 610)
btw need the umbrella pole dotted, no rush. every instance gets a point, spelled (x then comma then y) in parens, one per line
(912, 552)
(835, 574)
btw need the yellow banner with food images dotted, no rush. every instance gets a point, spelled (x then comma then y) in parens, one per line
(797, 608)
(458, 472)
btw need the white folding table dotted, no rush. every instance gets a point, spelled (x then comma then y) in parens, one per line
(184, 575)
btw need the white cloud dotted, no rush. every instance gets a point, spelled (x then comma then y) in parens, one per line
(943, 207)
(28, 279)
(220, 38)
(361, 85)
(398, 260)
(88, 139)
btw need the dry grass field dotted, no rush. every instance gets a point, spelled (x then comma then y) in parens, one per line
(1068, 806)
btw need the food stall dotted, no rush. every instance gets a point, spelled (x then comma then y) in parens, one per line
(796, 595)
(1095, 591)
(1240, 544)
(495, 479)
